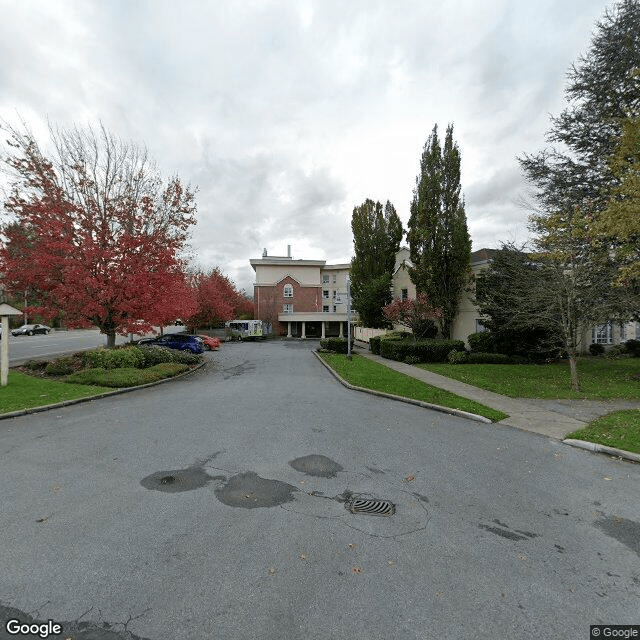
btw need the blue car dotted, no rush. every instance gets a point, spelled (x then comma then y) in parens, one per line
(176, 341)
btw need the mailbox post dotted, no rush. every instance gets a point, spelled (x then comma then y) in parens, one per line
(6, 310)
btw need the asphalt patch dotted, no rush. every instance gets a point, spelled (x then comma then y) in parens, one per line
(178, 480)
(625, 531)
(76, 629)
(316, 465)
(249, 491)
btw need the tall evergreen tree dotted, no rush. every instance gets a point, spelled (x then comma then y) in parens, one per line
(439, 242)
(377, 234)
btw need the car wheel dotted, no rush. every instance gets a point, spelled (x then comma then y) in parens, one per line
(206, 347)
(29, 333)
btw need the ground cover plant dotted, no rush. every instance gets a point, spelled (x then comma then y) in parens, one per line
(600, 379)
(362, 372)
(126, 376)
(25, 391)
(620, 430)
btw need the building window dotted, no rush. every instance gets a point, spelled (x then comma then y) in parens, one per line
(288, 291)
(602, 334)
(480, 327)
(325, 294)
(325, 279)
(623, 332)
(335, 278)
(287, 308)
(404, 293)
(333, 294)
(335, 308)
(325, 308)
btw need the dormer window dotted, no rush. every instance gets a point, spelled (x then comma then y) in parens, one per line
(288, 291)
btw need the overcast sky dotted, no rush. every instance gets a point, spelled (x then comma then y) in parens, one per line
(288, 113)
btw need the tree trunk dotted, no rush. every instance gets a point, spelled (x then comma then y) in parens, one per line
(111, 339)
(575, 383)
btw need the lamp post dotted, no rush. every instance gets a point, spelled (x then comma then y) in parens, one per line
(6, 310)
(348, 318)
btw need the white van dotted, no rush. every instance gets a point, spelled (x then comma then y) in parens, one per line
(244, 329)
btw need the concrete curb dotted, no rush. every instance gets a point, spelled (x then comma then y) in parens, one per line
(601, 448)
(419, 403)
(106, 394)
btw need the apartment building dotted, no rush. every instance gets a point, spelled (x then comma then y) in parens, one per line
(301, 298)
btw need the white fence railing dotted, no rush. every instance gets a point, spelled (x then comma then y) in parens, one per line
(365, 334)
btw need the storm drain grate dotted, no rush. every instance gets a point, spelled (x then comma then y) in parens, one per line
(371, 507)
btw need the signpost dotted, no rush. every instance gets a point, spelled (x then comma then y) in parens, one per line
(6, 310)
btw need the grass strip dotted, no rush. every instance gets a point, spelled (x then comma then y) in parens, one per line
(27, 392)
(362, 372)
(620, 430)
(600, 379)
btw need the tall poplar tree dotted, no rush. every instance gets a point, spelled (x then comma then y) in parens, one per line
(377, 234)
(439, 242)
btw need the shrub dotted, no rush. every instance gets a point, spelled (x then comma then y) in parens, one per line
(457, 357)
(490, 358)
(412, 360)
(153, 354)
(616, 351)
(63, 366)
(632, 347)
(338, 345)
(483, 342)
(596, 349)
(374, 345)
(126, 376)
(126, 357)
(423, 350)
(36, 365)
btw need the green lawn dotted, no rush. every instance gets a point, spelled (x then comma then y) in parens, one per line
(620, 429)
(26, 392)
(600, 379)
(362, 372)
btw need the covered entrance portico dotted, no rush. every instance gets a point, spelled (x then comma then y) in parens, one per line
(313, 324)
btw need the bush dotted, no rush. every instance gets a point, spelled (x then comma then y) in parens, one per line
(423, 350)
(338, 345)
(125, 357)
(63, 366)
(596, 349)
(126, 377)
(457, 357)
(632, 347)
(412, 360)
(484, 342)
(153, 354)
(36, 365)
(616, 351)
(374, 345)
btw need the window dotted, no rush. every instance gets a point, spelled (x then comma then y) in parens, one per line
(325, 279)
(325, 308)
(333, 294)
(287, 308)
(335, 279)
(325, 294)
(288, 291)
(335, 308)
(602, 334)
(404, 293)
(623, 332)
(480, 327)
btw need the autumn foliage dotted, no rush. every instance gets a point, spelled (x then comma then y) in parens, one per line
(419, 315)
(94, 234)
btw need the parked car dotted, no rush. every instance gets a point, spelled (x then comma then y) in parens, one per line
(30, 329)
(209, 343)
(176, 341)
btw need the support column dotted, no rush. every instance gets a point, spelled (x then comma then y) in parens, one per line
(341, 334)
(323, 334)
(304, 335)
(288, 328)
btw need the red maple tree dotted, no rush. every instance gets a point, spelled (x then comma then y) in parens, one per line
(95, 232)
(416, 314)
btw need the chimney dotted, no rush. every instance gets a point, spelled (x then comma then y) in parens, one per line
(264, 252)
(288, 251)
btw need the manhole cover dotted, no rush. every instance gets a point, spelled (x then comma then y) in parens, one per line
(371, 507)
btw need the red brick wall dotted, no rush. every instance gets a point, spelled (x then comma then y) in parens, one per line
(268, 300)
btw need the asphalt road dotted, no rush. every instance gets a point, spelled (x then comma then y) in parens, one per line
(215, 507)
(23, 348)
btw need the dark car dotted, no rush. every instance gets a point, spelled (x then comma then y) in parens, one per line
(30, 329)
(176, 341)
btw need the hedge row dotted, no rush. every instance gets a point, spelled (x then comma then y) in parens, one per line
(137, 357)
(419, 351)
(338, 345)
(126, 376)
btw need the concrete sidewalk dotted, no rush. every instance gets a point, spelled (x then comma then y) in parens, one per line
(530, 416)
